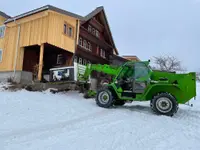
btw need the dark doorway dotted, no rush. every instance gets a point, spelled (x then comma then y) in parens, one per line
(31, 58)
(54, 57)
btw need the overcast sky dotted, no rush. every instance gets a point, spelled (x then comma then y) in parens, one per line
(145, 28)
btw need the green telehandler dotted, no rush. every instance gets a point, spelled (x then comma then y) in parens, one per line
(136, 81)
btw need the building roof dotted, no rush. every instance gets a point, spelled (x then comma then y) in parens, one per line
(130, 57)
(94, 13)
(53, 8)
(119, 58)
(4, 15)
(47, 7)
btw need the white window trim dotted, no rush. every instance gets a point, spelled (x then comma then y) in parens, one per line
(75, 59)
(84, 62)
(97, 33)
(80, 60)
(80, 41)
(93, 31)
(3, 31)
(89, 46)
(1, 57)
(103, 53)
(89, 28)
(85, 44)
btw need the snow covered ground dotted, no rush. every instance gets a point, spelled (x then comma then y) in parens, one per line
(45, 121)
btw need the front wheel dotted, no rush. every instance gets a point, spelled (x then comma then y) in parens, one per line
(104, 98)
(164, 104)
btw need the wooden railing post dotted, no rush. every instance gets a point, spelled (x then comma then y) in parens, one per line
(41, 62)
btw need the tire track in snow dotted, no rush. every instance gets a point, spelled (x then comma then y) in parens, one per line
(23, 132)
(71, 126)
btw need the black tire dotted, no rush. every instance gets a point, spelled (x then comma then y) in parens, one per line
(119, 103)
(164, 104)
(108, 98)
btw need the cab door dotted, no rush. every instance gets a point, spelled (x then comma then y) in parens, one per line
(141, 77)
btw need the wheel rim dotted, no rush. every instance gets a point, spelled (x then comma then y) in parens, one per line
(103, 97)
(164, 105)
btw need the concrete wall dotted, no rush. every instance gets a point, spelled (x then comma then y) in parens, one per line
(20, 76)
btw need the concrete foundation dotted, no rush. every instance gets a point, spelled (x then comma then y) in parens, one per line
(19, 76)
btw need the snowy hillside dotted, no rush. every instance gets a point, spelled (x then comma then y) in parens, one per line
(41, 121)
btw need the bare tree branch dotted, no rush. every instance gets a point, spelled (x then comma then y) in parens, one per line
(168, 63)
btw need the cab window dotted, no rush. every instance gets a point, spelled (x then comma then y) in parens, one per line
(141, 70)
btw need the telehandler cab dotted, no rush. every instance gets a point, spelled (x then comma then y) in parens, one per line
(136, 81)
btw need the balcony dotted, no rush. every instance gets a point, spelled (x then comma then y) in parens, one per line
(86, 34)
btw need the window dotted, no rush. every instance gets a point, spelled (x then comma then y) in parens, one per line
(97, 33)
(85, 44)
(93, 31)
(141, 70)
(68, 30)
(59, 59)
(2, 31)
(84, 62)
(65, 29)
(89, 28)
(1, 55)
(80, 61)
(89, 46)
(80, 42)
(102, 53)
(75, 59)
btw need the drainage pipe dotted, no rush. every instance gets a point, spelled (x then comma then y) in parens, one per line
(17, 47)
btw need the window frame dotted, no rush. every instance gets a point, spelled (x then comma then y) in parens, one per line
(97, 33)
(89, 46)
(75, 59)
(59, 59)
(93, 31)
(85, 44)
(102, 53)
(68, 27)
(80, 60)
(89, 28)
(65, 28)
(70, 33)
(80, 41)
(84, 62)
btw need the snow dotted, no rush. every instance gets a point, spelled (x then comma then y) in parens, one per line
(41, 120)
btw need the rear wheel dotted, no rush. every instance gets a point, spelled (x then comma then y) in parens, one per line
(164, 104)
(104, 98)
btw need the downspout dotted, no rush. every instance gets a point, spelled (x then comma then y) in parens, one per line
(75, 42)
(17, 46)
(75, 48)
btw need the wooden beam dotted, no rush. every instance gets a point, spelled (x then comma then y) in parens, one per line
(41, 62)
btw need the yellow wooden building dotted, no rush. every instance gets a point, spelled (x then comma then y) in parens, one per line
(24, 38)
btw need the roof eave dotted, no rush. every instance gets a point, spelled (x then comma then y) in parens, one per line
(4, 15)
(27, 14)
(47, 7)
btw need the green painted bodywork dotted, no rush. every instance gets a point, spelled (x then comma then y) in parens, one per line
(181, 86)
